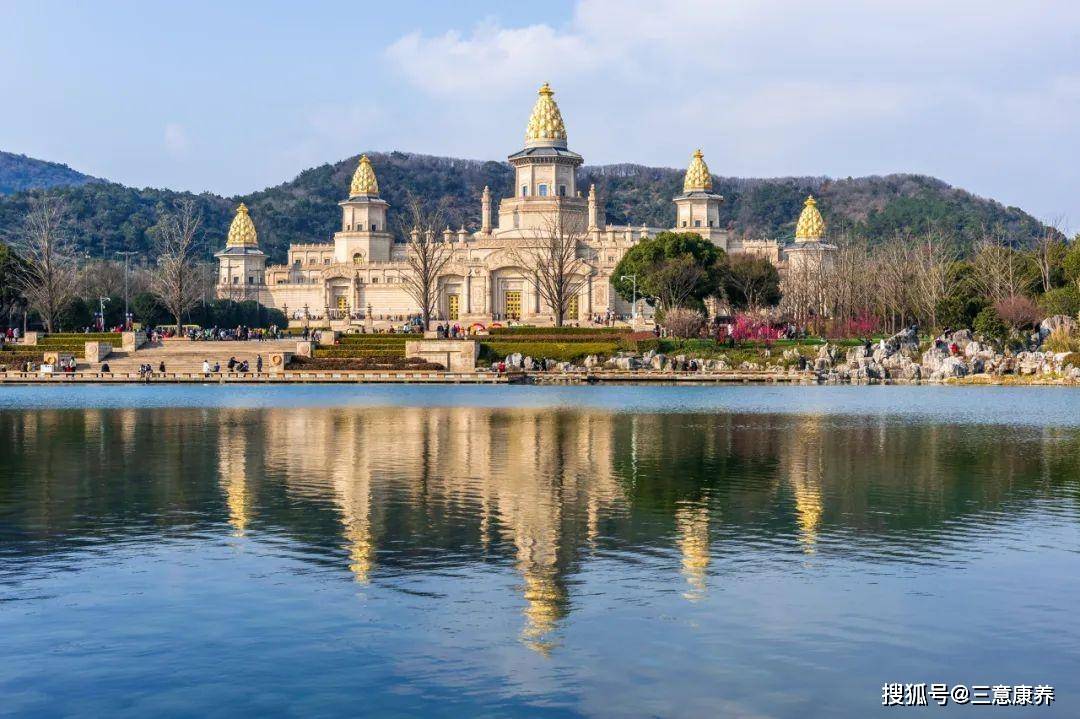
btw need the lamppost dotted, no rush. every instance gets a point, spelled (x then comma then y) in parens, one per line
(126, 254)
(632, 278)
(101, 306)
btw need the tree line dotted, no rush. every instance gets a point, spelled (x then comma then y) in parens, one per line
(45, 281)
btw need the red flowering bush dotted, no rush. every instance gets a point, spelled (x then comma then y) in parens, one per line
(748, 328)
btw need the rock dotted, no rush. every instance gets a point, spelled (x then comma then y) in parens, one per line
(906, 339)
(933, 358)
(658, 361)
(514, 360)
(591, 361)
(1056, 322)
(626, 363)
(950, 367)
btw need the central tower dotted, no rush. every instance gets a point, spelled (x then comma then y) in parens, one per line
(545, 178)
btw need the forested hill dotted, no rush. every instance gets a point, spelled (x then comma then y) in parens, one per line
(110, 217)
(19, 173)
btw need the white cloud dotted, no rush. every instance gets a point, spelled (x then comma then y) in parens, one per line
(777, 87)
(489, 57)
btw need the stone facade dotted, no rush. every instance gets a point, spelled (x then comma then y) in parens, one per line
(358, 278)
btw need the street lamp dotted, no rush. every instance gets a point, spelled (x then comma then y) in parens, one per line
(632, 278)
(126, 254)
(101, 306)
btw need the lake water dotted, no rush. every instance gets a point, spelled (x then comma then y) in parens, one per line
(521, 551)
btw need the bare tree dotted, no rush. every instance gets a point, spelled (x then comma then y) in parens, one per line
(930, 261)
(427, 254)
(1000, 271)
(48, 277)
(177, 280)
(554, 262)
(1049, 250)
(100, 278)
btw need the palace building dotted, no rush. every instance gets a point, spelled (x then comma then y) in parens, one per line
(360, 277)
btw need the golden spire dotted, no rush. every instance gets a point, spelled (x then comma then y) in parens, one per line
(242, 230)
(546, 122)
(363, 180)
(697, 175)
(810, 226)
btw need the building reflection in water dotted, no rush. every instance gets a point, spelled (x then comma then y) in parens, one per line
(803, 463)
(382, 491)
(692, 523)
(232, 474)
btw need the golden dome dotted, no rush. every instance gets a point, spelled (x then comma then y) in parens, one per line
(363, 180)
(811, 226)
(242, 230)
(546, 122)
(697, 175)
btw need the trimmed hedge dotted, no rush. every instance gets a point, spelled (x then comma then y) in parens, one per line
(80, 336)
(355, 352)
(556, 331)
(559, 351)
(591, 337)
(362, 363)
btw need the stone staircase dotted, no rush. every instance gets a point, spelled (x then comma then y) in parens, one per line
(184, 356)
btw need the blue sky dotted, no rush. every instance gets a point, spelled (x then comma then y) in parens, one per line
(236, 96)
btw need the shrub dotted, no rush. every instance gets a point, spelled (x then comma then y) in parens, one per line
(750, 328)
(864, 325)
(682, 322)
(1061, 301)
(1061, 340)
(1018, 311)
(989, 325)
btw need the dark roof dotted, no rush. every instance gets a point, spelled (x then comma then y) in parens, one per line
(545, 152)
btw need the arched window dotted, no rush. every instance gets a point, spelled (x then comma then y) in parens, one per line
(524, 190)
(357, 258)
(562, 190)
(542, 190)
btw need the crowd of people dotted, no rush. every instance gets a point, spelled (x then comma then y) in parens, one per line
(240, 333)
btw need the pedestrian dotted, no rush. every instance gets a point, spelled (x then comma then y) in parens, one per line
(258, 363)
(206, 367)
(161, 367)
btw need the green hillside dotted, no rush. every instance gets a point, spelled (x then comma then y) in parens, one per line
(109, 216)
(19, 173)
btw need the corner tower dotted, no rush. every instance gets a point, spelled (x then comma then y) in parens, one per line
(697, 209)
(545, 178)
(241, 265)
(810, 253)
(364, 235)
